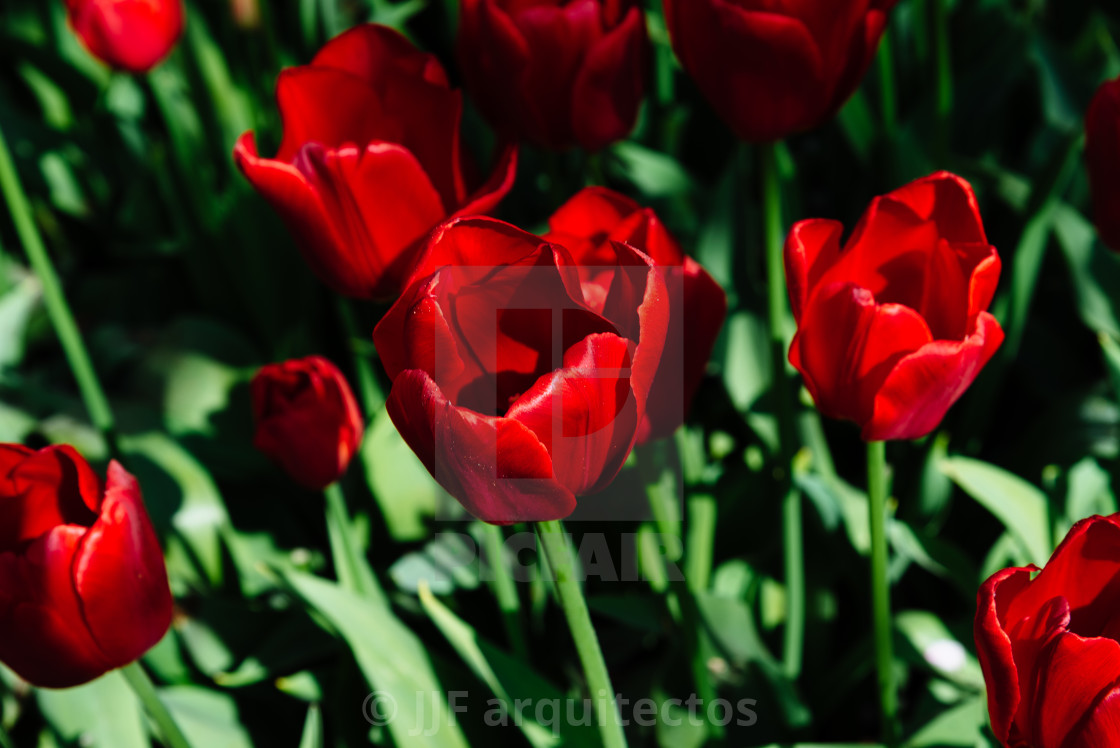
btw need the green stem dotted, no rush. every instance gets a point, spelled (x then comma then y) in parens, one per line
(353, 571)
(880, 589)
(794, 638)
(559, 554)
(6, 739)
(62, 319)
(145, 690)
(661, 490)
(887, 85)
(504, 589)
(701, 509)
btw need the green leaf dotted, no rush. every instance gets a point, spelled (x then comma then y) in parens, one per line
(101, 714)
(654, 174)
(206, 717)
(391, 657)
(447, 562)
(406, 493)
(960, 726)
(179, 491)
(746, 368)
(313, 729)
(505, 676)
(1095, 270)
(1020, 506)
(1090, 491)
(936, 647)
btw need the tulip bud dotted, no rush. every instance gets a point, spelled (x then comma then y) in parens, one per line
(83, 586)
(307, 419)
(132, 35)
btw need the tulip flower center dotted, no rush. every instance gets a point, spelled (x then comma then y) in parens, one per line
(507, 329)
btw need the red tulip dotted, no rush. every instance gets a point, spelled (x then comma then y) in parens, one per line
(892, 329)
(370, 160)
(1102, 157)
(83, 586)
(556, 72)
(1050, 646)
(514, 391)
(132, 35)
(771, 69)
(587, 226)
(307, 419)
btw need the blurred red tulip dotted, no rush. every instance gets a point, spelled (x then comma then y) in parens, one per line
(892, 329)
(1102, 157)
(586, 226)
(83, 586)
(307, 419)
(132, 35)
(771, 68)
(1050, 646)
(556, 72)
(514, 391)
(370, 160)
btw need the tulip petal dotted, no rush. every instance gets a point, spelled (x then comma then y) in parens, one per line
(302, 210)
(891, 253)
(420, 110)
(846, 344)
(1073, 673)
(585, 414)
(993, 646)
(700, 307)
(1102, 160)
(119, 574)
(921, 387)
(592, 213)
(487, 197)
(43, 636)
(384, 203)
(763, 96)
(608, 88)
(1082, 569)
(948, 201)
(638, 284)
(812, 247)
(862, 45)
(331, 108)
(50, 487)
(1100, 728)
(371, 51)
(496, 467)
(494, 58)
(559, 37)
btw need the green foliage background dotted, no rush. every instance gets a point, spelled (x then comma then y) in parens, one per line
(184, 282)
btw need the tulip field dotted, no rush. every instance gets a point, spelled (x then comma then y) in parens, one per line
(559, 373)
